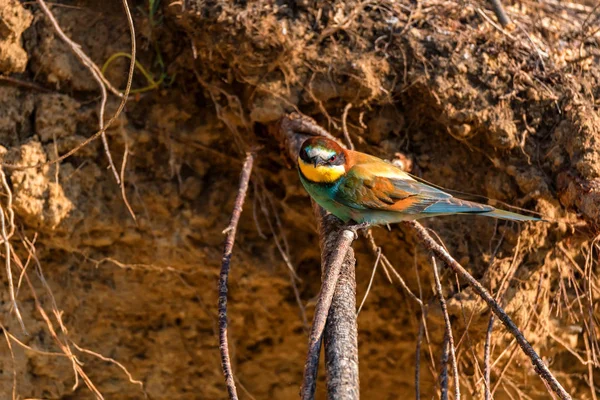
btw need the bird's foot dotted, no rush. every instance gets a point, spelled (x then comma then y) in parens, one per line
(354, 228)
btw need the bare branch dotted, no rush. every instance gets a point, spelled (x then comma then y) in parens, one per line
(449, 338)
(541, 368)
(341, 330)
(488, 338)
(224, 276)
(418, 358)
(486, 358)
(333, 256)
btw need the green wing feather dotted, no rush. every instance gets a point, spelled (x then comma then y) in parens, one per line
(383, 187)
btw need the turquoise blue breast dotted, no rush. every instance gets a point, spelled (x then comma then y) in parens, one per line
(323, 194)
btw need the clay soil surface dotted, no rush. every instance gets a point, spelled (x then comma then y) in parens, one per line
(511, 114)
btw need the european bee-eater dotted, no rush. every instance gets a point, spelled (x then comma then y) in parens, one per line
(368, 190)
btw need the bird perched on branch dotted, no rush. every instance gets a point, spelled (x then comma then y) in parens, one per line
(368, 190)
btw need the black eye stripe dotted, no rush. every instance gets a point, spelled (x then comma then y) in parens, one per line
(309, 154)
(304, 154)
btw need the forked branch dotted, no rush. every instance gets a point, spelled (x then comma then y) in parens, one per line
(541, 368)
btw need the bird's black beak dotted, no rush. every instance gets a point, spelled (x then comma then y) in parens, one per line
(318, 161)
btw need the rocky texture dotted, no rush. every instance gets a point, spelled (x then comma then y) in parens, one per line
(508, 115)
(14, 19)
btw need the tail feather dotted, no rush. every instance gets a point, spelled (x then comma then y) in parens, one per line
(457, 206)
(511, 216)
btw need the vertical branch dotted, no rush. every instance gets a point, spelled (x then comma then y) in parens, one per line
(337, 302)
(540, 368)
(418, 359)
(444, 368)
(448, 337)
(341, 330)
(335, 255)
(487, 369)
(224, 276)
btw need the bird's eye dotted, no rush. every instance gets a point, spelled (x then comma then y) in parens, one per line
(332, 158)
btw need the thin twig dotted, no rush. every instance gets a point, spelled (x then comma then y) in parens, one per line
(12, 357)
(362, 303)
(444, 368)
(418, 358)
(77, 49)
(123, 194)
(29, 245)
(424, 309)
(385, 262)
(590, 366)
(18, 82)
(541, 368)
(114, 362)
(449, 336)
(262, 196)
(500, 13)
(488, 337)
(345, 126)
(224, 276)
(514, 349)
(75, 363)
(6, 234)
(488, 19)
(486, 358)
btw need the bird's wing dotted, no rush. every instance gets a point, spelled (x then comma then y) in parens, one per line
(382, 186)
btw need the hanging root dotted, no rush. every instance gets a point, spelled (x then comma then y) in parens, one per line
(88, 63)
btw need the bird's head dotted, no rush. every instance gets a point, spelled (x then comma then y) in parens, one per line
(322, 160)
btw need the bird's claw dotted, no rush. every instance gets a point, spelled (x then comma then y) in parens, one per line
(356, 227)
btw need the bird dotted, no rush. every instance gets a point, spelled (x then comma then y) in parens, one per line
(359, 187)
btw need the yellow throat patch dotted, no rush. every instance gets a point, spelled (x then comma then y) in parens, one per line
(321, 173)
